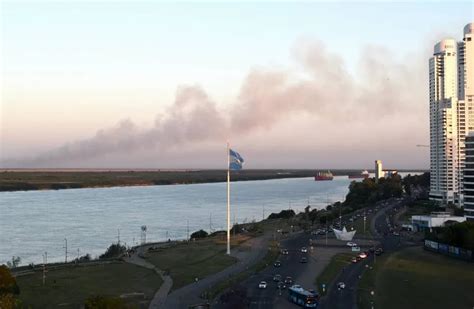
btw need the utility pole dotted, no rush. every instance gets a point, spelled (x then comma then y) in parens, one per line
(187, 229)
(263, 211)
(77, 261)
(65, 247)
(210, 223)
(45, 261)
(118, 237)
(364, 221)
(326, 231)
(235, 227)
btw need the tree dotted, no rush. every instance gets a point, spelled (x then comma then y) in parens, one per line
(16, 260)
(114, 251)
(199, 234)
(9, 289)
(284, 214)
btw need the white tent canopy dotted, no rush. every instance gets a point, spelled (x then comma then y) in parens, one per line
(344, 234)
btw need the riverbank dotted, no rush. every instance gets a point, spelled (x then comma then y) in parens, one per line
(56, 179)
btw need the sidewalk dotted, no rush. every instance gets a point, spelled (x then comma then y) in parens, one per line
(160, 296)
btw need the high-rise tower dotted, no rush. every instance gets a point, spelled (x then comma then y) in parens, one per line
(451, 92)
(444, 152)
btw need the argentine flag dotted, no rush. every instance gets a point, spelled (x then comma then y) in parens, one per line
(235, 160)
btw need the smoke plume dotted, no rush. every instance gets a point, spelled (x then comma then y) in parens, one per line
(382, 85)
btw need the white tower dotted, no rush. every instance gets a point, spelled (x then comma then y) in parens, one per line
(378, 170)
(443, 122)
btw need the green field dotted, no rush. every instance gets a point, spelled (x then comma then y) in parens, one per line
(187, 261)
(414, 278)
(69, 287)
(331, 271)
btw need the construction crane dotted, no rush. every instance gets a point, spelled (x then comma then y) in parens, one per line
(422, 145)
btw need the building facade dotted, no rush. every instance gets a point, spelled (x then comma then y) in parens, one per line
(468, 183)
(378, 170)
(443, 122)
(451, 115)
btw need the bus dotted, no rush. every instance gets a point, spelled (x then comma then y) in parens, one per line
(302, 297)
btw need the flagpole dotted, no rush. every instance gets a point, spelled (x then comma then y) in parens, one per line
(228, 200)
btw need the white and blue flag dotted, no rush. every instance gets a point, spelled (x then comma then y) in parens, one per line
(235, 160)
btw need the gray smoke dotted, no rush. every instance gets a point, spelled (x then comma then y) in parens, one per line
(381, 86)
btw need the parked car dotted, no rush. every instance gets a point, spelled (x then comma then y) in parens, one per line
(277, 278)
(351, 244)
(262, 285)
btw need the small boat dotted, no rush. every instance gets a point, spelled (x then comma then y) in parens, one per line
(323, 176)
(364, 174)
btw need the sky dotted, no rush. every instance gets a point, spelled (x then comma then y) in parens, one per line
(120, 84)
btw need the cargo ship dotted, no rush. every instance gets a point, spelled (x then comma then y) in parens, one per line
(364, 174)
(323, 176)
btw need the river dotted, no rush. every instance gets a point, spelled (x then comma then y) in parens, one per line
(34, 222)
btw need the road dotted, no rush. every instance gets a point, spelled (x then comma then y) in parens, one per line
(305, 274)
(346, 298)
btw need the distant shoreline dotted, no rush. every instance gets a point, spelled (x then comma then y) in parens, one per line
(57, 179)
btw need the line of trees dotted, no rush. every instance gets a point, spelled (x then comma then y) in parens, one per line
(459, 235)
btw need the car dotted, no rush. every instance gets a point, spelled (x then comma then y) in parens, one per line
(358, 258)
(379, 251)
(262, 285)
(281, 285)
(395, 233)
(304, 250)
(304, 259)
(277, 264)
(351, 244)
(284, 251)
(362, 255)
(277, 278)
(288, 280)
(354, 260)
(341, 285)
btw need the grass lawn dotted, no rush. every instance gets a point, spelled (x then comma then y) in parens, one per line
(187, 261)
(331, 271)
(69, 287)
(269, 258)
(418, 279)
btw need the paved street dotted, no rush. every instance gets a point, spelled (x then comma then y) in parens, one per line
(305, 274)
(346, 299)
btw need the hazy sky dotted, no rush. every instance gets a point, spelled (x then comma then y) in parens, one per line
(161, 84)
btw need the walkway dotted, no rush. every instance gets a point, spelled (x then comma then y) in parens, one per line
(248, 254)
(160, 296)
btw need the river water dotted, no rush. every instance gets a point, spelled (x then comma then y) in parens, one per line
(34, 222)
